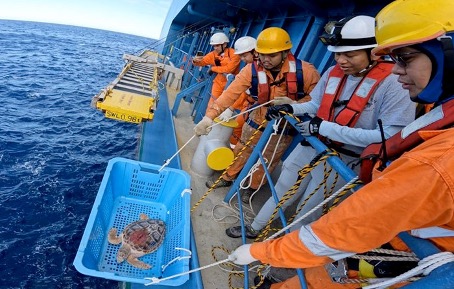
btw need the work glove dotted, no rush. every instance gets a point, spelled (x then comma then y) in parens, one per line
(204, 126)
(278, 111)
(209, 71)
(310, 127)
(226, 115)
(283, 100)
(242, 255)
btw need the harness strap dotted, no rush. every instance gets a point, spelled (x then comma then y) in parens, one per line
(254, 125)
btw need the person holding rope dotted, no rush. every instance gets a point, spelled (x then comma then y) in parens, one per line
(415, 190)
(273, 78)
(348, 101)
(222, 61)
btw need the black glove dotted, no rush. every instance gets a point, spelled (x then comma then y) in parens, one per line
(310, 127)
(278, 111)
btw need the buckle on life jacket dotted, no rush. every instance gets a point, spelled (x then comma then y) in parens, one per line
(340, 149)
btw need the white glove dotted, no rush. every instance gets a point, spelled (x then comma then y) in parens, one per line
(282, 100)
(226, 115)
(242, 255)
(204, 126)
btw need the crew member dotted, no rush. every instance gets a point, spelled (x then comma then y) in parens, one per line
(245, 48)
(349, 100)
(222, 61)
(415, 191)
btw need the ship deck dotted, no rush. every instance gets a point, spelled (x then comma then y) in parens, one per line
(212, 216)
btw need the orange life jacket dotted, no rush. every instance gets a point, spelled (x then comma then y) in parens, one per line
(350, 114)
(294, 80)
(440, 117)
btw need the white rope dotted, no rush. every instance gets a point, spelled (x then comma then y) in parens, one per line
(179, 258)
(269, 162)
(313, 209)
(256, 166)
(186, 191)
(215, 124)
(155, 280)
(425, 266)
(178, 151)
(246, 111)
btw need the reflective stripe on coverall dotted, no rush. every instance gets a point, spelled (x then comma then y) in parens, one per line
(241, 83)
(374, 215)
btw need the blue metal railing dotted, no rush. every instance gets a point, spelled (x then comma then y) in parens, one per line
(441, 277)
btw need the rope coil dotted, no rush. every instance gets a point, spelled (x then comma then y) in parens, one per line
(425, 266)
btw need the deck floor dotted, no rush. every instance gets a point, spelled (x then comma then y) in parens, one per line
(208, 225)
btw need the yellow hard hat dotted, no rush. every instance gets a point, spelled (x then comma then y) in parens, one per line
(272, 40)
(407, 22)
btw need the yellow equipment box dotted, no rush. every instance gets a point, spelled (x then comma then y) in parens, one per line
(127, 106)
(133, 95)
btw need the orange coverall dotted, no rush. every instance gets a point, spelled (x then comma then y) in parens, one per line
(241, 83)
(416, 191)
(230, 63)
(242, 104)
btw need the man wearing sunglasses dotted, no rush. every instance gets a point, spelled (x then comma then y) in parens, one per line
(414, 193)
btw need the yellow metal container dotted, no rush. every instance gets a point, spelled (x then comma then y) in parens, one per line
(127, 106)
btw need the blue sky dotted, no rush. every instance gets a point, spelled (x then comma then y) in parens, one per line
(138, 17)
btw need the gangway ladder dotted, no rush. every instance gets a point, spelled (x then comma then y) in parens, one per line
(132, 96)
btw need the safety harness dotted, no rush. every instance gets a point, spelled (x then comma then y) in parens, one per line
(441, 117)
(260, 86)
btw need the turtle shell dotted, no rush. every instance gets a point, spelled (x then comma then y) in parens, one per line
(144, 236)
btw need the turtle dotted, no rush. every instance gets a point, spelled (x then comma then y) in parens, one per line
(137, 239)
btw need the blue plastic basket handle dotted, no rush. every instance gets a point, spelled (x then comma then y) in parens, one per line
(149, 170)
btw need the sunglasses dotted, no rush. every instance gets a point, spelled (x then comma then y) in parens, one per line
(402, 58)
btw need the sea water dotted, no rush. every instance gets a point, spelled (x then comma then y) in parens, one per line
(54, 147)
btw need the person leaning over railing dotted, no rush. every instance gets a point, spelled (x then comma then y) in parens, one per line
(276, 77)
(348, 101)
(415, 192)
(222, 61)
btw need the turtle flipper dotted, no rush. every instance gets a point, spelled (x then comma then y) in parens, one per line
(137, 263)
(143, 216)
(113, 238)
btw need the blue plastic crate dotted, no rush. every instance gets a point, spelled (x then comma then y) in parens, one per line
(128, 189)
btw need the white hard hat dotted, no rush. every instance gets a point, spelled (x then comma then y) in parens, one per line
(245, 44)
(349, 34)
(218, 38)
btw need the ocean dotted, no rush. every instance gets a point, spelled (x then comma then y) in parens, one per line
(54, 147)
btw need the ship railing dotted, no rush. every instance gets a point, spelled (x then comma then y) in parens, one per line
(440, 277)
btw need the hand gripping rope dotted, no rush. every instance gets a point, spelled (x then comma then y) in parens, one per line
(166, 163)
(155, 280)
(236, 157)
